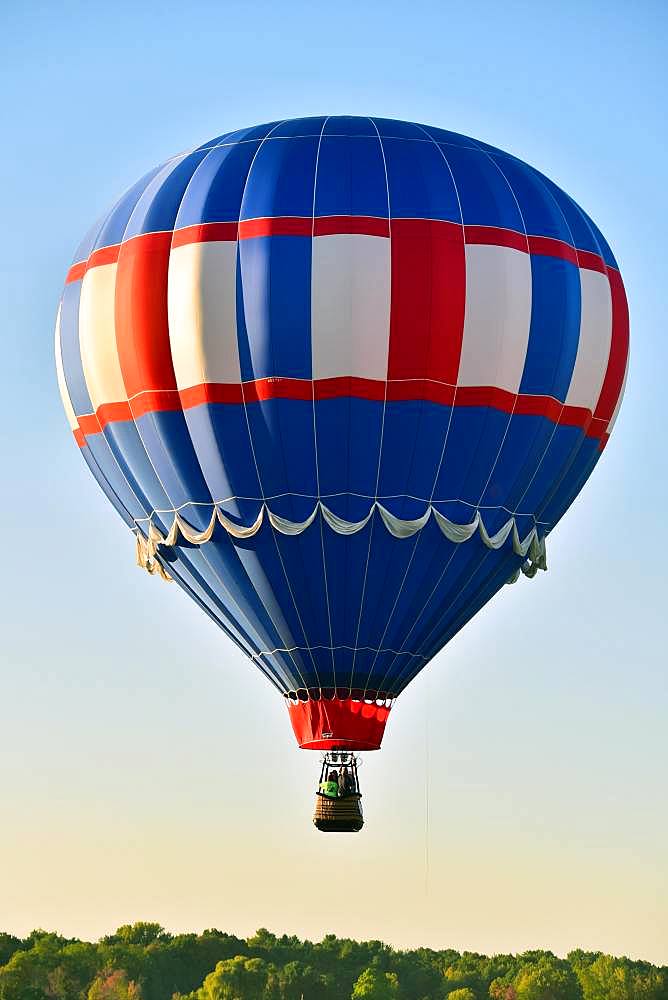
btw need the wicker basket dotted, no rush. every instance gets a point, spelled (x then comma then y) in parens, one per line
(342, 815)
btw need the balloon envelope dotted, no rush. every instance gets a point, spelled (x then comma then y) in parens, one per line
(341, 376)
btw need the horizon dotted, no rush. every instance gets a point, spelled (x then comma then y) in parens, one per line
(142, 960)
(172, 933)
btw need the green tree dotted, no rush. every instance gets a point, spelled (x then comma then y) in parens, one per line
(8, 945)
(472, 970)
(178, 965)
(609, 978)
(142, 932)
(78, 964)
(263, 940)
(463, 993)
(28, 973)
(297, 980)
(238, 978)
(374, 984)
(549, 978)
(419, 973)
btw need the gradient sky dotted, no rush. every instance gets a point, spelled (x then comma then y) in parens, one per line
(148, 772)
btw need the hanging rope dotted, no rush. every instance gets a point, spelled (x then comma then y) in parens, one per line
(426, 787)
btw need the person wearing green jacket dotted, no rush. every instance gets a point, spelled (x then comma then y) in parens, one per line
(330, 787)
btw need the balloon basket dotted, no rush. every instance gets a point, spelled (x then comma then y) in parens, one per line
(338, 801)
(338, 815)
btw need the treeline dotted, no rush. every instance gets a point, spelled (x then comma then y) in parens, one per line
(143, 962)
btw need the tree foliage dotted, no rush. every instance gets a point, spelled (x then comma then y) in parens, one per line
(374, 984)
(607, 978)
(548, 978)
(143, 961)
(114, 985)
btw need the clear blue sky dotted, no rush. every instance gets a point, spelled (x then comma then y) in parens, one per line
(147, 772)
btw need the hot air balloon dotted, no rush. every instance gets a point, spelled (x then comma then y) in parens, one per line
(341, 377)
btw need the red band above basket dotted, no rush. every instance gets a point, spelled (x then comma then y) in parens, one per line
(338, 724)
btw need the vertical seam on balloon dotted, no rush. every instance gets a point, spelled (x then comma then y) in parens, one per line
(389, 318)
(250, 438)
(510, 415)
(382, 426)
(315, 429)
(555, 425)
(346, 506)
(447, 431)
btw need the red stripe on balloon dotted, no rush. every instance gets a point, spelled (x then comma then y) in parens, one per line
(360, 225)
(76, 272)
(155, 401)
(486, 395)
(111, 413)
(277, 388)
(619, 350)
(349, 385)
(211, 392)
(89, 424)
(429, 390)
(591, 261)
(544, 246)
(280, 226)
(496, 236)
(331, 225)
(142, 330)
(105, 255)
(427, 300)
(575, 416)
(597, 428)
(396, 390)
(539, 406)
(206, 232)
